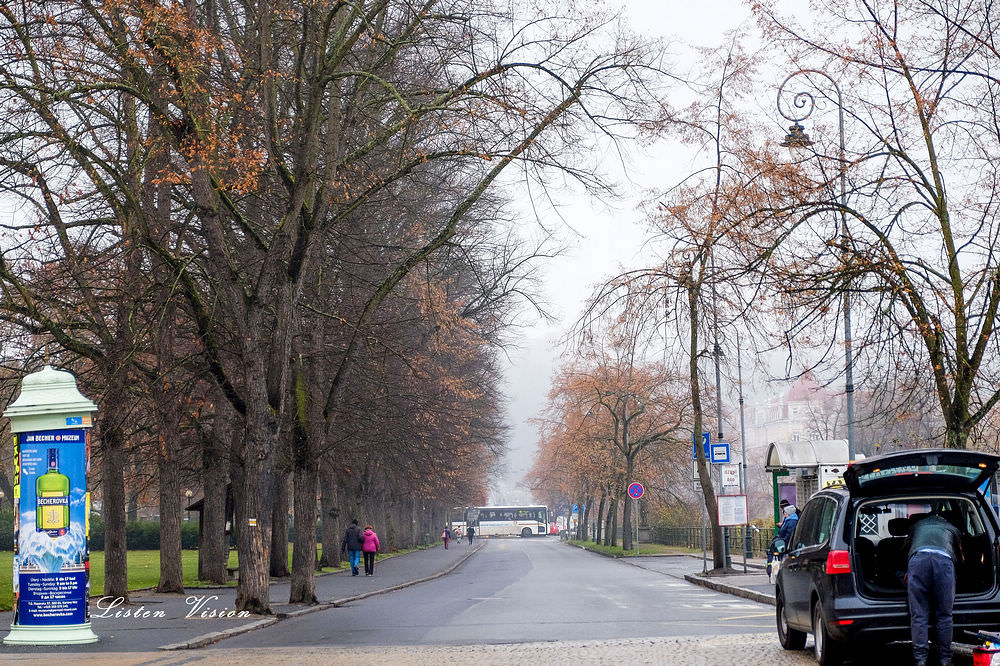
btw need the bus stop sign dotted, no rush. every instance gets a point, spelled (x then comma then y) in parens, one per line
(635, 491)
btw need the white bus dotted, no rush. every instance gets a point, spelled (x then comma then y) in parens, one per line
(523, 521)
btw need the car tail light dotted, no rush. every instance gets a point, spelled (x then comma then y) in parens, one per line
(838, 562)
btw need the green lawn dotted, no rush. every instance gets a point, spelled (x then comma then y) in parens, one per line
(143, 571)
(644, 549)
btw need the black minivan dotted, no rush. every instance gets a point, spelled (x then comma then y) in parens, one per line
(841, 577)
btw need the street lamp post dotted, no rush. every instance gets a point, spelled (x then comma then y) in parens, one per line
(187, 495)
(805, 103)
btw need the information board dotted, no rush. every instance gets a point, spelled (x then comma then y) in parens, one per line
(733, 510)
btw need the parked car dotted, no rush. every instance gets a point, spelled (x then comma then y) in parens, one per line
(841, 578)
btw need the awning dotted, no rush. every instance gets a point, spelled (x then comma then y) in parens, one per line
(795, 455)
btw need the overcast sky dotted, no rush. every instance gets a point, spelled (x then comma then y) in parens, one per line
(609, 239)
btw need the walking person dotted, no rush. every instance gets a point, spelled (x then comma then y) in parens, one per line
(471, 531)
(369, 548)
(934, 550)
(446, 535)
(352, 543)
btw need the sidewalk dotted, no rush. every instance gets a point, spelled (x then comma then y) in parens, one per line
(753, 584)
(202, 616)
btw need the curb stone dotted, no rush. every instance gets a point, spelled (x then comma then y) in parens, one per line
(736, 591)
(208, 639)
(214, 637)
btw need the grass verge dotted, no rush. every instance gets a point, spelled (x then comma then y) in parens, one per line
(644, 549)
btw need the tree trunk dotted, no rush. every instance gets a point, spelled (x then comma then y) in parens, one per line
(132, 507)
(306, 471)
(613, 530)
(113, 488)
(213, 547)
(704, 472)
(330, 557)
(279, 525)
(168, 460)
(171, 573)
(586, 519)
(255, 468)
(600, 519)
(627, 512)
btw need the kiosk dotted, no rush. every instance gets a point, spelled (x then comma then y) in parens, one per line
(51, 423)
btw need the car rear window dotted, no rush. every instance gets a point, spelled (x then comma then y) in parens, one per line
(962, 472)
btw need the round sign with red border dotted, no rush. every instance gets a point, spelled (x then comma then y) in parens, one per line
(636, 490)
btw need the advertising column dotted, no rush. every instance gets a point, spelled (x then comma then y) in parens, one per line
(51, 423)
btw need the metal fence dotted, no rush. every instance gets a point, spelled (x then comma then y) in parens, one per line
(691, 537)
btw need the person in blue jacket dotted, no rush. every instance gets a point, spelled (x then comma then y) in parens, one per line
(788, 524)
(790, 517)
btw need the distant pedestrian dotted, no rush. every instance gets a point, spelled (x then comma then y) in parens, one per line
(352, 544)
(370, 547)
(446, 535)
(471, 531)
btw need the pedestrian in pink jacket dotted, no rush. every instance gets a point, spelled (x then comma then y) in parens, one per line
(369, 548)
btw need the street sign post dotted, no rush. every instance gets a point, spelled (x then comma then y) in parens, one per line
(635, 491)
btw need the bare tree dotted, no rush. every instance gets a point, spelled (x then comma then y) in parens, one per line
(918, 256)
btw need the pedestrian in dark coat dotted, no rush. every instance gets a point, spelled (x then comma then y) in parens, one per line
(446, 535)
(352, 542)
(370, 547)
(471, 531)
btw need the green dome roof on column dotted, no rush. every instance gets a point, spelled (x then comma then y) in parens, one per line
(46, 394)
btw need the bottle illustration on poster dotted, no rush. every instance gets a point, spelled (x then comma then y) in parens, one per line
(52, 499)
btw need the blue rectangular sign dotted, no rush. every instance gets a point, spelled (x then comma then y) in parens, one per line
(53, 598)
(720, 453)
(706, 440)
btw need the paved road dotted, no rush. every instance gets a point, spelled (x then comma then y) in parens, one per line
(514, 601)
(521, 590)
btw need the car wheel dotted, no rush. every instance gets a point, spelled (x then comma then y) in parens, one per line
(826, 650)
(526, 532)
(790, 639)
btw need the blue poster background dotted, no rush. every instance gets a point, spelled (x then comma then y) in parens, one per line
(51, 572)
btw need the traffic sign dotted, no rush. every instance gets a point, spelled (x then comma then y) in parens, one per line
(720, 453)
(706, 438)
(635, 490)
